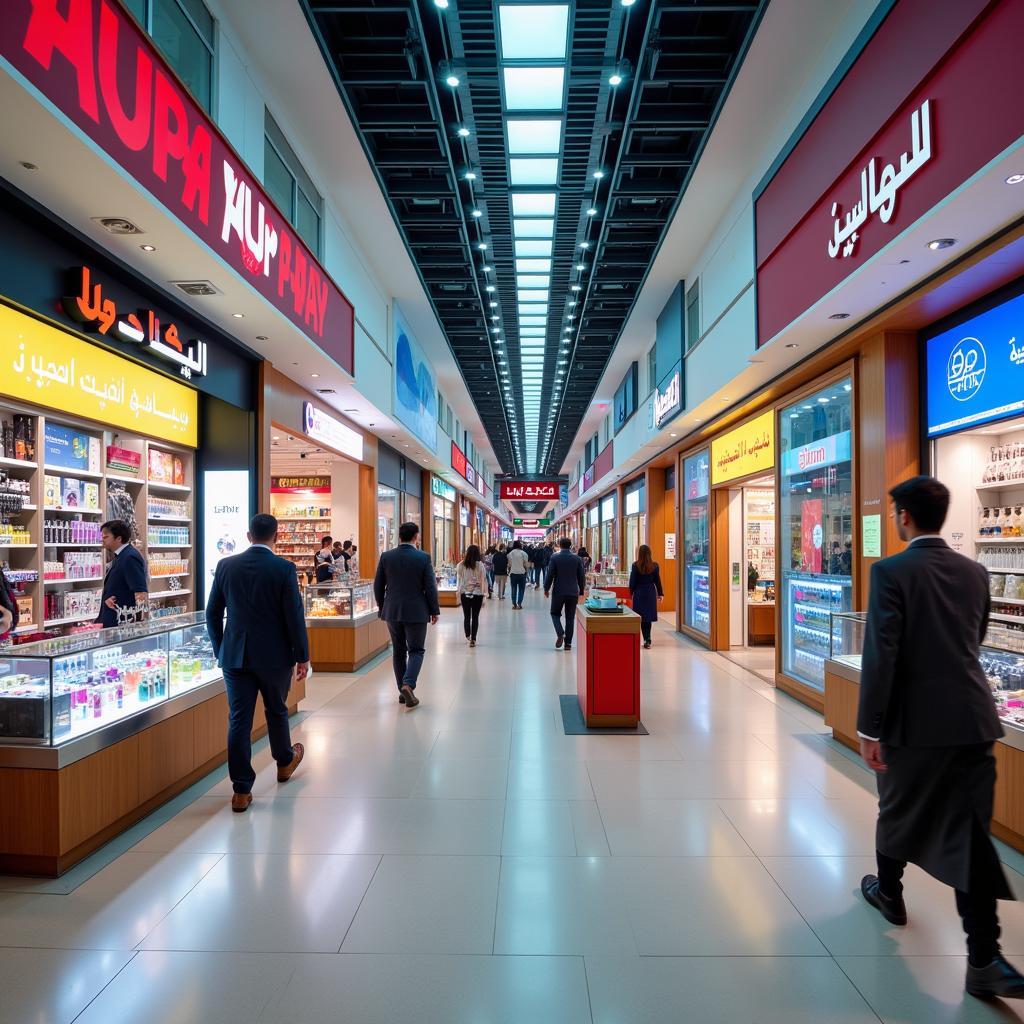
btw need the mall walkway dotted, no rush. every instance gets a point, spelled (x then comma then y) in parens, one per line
(467, 863)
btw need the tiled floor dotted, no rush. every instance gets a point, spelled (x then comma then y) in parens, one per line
(468, 862)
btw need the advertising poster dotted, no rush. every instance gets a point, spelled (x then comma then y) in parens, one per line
(811, 535)
(415, 386)
(226, 516)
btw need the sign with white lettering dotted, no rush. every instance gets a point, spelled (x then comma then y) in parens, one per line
(818, 454)
(331, 432)
(226, 514)
(442, 490)
(528, 490)
(668, 398)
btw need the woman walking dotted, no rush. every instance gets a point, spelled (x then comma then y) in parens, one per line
(471, 579)
(646, 590)
(499, 569)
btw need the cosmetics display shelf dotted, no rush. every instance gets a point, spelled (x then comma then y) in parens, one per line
(156, 485)
(171, 546)
(68, 620)
(169, 593)
(65, 580)
(169, 519)
(22, 547)
(6, 463)
(1001, 485)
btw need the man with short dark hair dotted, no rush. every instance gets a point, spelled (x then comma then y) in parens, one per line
(927, 723)
(323, 560)
(565, 582)
(125, 585)
(262, 646)
(406, 593)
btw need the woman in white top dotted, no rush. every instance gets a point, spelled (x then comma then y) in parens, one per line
(518, 560)
(471, 580)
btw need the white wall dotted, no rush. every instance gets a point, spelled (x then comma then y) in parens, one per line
(345, 501)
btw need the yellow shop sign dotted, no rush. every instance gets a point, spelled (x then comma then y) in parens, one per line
(746, 450)
(52, 368)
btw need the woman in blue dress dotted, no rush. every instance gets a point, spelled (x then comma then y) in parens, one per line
(645, 589)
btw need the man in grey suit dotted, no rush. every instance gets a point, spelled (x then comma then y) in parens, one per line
(565, 583)
(927, 722)
(406, 593)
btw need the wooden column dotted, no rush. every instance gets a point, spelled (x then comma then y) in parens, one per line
(367, 533)
(661, 519)
(720, 569)
(427, 514)
(263, 431)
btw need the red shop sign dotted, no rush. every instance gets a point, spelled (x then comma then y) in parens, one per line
(932, 98)
(525, 490)
(458, 460)
(92, 61)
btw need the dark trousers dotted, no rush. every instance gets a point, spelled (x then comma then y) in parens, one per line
(409, 643)
(645, 629)
(471, 605)
(490, 582)
(568, 605)
(518, 581)
(243, 686)
(501, 582)
(977, 907)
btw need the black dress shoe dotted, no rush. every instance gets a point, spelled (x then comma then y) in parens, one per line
(401, 698)
(998, 980)
(893, 910)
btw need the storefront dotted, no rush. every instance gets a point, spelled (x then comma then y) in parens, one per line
(592, 532)
(399, 495)
(695, 472)
(609, 532)
(634, 519)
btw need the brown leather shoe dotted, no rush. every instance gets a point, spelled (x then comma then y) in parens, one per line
(411, 700)
(240, 802)
(285, 773)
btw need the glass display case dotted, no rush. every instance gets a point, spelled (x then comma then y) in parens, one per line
(339, 601)
(809, 603)
(698, 598)
(696, 542)
(56, 691)
(446, 576)
(608, 579)
(847, 638)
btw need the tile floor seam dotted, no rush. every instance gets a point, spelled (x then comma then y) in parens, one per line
(799, 912)
(586, 979)
(600, 818)
(110, 982)
(856, 989)
(497, 904)
(380, 860)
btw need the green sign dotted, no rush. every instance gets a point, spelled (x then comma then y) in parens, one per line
(441, 489)
(871, 536)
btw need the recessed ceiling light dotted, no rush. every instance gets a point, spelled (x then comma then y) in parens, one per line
(494, 305)
(581, 266)
(451, 80)
(489, 288)
(839, 316)
(941, 243)
(615, 78)
(277, 438)
(598, 175)
(477, 213)
(584, 245)
(592, 212)
(470, 176)
(1015, 179)
(148, 248)
(314, 375)
(792, 344)
(575, 287)
(481, 246)
(238, 316)
(463, 132)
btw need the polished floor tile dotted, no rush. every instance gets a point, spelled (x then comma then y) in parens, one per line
(549, 780)
(800, 828)
(465, 778)
(448, 827)
(670, 828)
(538, 828)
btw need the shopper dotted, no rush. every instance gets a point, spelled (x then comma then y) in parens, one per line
(126, 583)
(353, 560)
(8, 610)
(927, 724)
(346, 554)
(471, 582)
(406, 592)
(585, 556)
(261, 647)
(646, 590)
(499, 565)
(540, 563)
(518, 564)
(323, 560)
(489, 571)
(564, 582)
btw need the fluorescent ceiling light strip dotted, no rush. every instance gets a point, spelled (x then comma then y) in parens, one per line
(533, 280)
(533, 309)
(533, 266)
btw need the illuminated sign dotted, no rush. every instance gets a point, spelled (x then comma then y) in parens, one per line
(441, 489)
(93, 62)
(50, 367)
(333, 433)
(818, 454)
(633, 503)
(226, 515)
(300, 484)
(668, 398)
(593, 516)
(526, 490)
(745, 450)
(458, 460)
(98, 312)
(608, 508)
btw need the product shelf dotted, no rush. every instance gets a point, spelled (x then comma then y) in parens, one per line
(156, 485)
(18, 463)
(71, 508)
(168, 593)
(64, 471)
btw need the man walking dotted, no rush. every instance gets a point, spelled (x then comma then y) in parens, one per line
(927, 723)
(262, 646)
(406, 593)
(125, 585)
(518, 564)
(499, 565)
(565, 582)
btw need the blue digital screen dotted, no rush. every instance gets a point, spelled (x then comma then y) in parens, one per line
(975, 372)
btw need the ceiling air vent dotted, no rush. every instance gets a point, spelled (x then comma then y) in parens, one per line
(326, 391)
(196, 287)
(118, 225)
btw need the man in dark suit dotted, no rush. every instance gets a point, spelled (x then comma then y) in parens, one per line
(565, 583)
(406, 593)
(125, 584)
(927, 722)
(263, 644)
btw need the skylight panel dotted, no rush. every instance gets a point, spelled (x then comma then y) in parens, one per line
(533, 280)
(534, 88)
(535, 309)
(533, 332)
(532, 248)
(533, 31)
(533, 170)
(532, 295)
(540, 228)
(533, 137)
(533, 204)
(533, 266)
(533, 321)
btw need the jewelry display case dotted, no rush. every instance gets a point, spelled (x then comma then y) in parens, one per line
(338, 601)
(447, 585)
(344, 629)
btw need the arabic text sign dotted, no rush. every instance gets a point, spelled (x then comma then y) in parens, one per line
(963, 69)
(525, 490)
(975, 372)
(335, 434)
(745, 450)
(52, 368)
(91, 61)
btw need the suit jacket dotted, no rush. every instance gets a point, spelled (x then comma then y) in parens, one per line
(564, 576)
(266, 626)
(922, 684)
(126, 577)
(405, 587)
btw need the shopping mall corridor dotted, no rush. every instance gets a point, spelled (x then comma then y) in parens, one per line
(468, 862)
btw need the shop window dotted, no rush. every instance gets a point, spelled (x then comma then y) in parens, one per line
(652, 368)
(693, 315)
(696, 542)
(815, 544)
(183, 32)
(440, 410)
(290, 186)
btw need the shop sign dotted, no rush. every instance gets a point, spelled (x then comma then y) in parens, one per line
(527, 490)
(625, 397)
(480, 520)
(226, 514)
(441, 490)
(895, 138)
(463, 515)
(975, 372)
(96, 311)
(670, 546)
(633, 503)
(53, 368)
(92, 62)
(458, 460)
(668, 398)
(300, 484)
(337, 435)
(871, 536)
(829, 451)
(608, 508)
(746, 450)
(593, 516)
(530, 523)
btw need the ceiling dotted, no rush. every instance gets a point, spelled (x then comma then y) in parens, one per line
(532, 155)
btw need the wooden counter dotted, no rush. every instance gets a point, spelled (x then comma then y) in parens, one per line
(343, 645)
(608, 667)
(448, 598)
(761, 623)
(53, 817)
